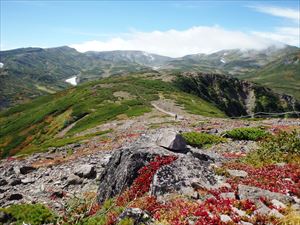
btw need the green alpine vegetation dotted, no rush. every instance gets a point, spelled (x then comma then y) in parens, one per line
(281, 148)
(197, 139)
(34, 214)
(34, 126)
(282, 75)
(247, 133)
(236, 97)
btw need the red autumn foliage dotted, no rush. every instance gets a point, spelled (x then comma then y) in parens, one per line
(141, 184)
(94, 209)
(282, 179)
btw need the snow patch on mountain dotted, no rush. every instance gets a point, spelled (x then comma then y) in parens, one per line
(72, 80)
(222, 60)
(148, 55)
(1, 65)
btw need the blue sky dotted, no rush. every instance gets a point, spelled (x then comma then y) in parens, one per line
(155, 26)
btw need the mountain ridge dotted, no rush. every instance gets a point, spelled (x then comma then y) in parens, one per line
(30, 72)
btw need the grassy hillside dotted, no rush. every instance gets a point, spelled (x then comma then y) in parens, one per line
(235, 97)
(282, 75)
(232, 62)
(31, 72)
(32, 127)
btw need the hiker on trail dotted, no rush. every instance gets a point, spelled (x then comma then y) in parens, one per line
(175, 116)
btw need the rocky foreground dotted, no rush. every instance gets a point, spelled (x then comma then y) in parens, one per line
(158, 177)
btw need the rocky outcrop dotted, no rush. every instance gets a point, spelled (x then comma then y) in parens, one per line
(182, 176)
(123, 167)
(178, 177)
(236, 97)
(20, 182)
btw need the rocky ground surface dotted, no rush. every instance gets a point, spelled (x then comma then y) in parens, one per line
(109, 166)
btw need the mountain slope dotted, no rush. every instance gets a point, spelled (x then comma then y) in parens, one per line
(34, 126)
(31, 72)
(282, 74)
(236, 97)
(139, 57)
(234, 62)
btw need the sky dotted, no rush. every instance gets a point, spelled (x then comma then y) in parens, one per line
(171, 28)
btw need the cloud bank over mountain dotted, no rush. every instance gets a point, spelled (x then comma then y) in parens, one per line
(176, 43)
(204, 39)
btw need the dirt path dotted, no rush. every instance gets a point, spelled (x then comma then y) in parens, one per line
(162, 110)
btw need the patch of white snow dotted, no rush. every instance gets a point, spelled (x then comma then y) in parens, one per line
(1, 65)
(72, 80)
(222, 60)
(148, 55)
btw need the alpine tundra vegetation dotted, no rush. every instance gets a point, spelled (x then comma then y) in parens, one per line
(149, 113)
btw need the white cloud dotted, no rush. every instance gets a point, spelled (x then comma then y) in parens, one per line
(289, 35)
(176, 43)
(288, 13)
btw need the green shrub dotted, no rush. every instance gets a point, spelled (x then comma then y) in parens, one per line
(126, 221)
(197, 139)
(283, 147)
(102, 216)
(246, 133)
(34, 214)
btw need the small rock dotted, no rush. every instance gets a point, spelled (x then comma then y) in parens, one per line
(295, 207)
(15, 196)
(281, 164)
(86, 171)
(245, 223)
(4, 189)
(275, 213)
(262, 210)
(4, 217)
(74, 180)
(16, 170)
(3, 182)
(26, 169)
(171, 140)
(28, 180)
(229, 195)
(139, 216)
(58, 194)
(278, 204)
(241, 213)
(225, 185)
(237, 173)
(15, 182)
(225, 218)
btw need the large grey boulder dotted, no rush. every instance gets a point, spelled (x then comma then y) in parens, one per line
(123, 168)
(171, 140)
(183, 176)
